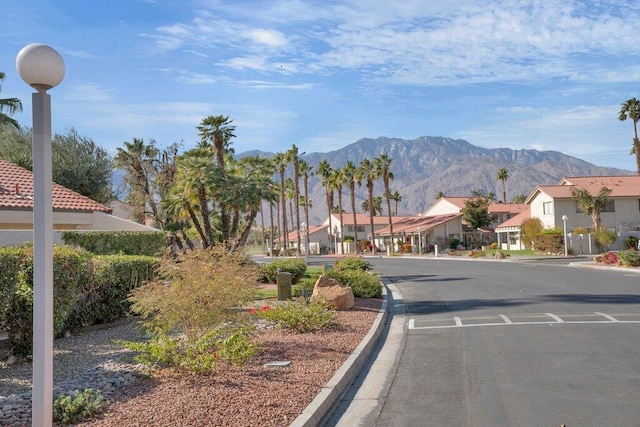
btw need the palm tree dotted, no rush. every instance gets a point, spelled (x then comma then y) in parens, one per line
(337, 181)
(137, 159)
(11, 105)
(440, 195)
(370, 172)
(324, 170)
(520, 198)
(503, 175)
(591, 205)
(294, 159)
(280, 160)
(397, 198)
(631, 109)
(350, 176)
(306, 171)
(218, 129)
(383, 163)
(377, 206)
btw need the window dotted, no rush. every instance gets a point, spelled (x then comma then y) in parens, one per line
(609, 206)
(547, 208)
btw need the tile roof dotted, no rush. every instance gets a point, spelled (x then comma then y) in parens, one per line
(363, 219)
(517, 220)
(620, 186)
(16, 192)
(413, 223)
(493, 207)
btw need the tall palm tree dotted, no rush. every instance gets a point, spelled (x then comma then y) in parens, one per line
(324, 170)
(377, 206)
(337, 181)
(397, 198)
(350, 176)
(11, 106)
(289, 190)
(219, 131)
(503, 175)
(280, 160)
(383, 163)
(591, 205)
(306, 171)
(630, 109)
(369, 172)
(294, 158)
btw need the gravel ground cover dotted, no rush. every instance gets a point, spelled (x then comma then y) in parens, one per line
(231, 396)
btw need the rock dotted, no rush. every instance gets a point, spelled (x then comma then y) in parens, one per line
(11, 360)
(499, 255)
(333, 293)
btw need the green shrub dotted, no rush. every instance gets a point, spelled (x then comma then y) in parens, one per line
(68, 273)
(77, 407)
(300, 316)
(631, 242)
(605, 238)
(453, 243)
(296, 267)
(12, 261)
(362, 283)
(352, 263)
(118, 242)
(306, 284)
(197, 296)
(630, 258)
(103, 296)
(547, 242)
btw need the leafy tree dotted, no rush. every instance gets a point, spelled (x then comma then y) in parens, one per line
(476, 210)
(383, 163)
(11, 106)
(591, 205)
(503, 175)
(77, 162)
(530, 228)
(630, 109)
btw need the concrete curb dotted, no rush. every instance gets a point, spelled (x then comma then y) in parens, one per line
(320, 407)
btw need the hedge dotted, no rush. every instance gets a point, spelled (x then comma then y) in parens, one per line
(362, 283)
(11, 263)
(549, 243)
(630, 258)
(118, 242)
(297, 268)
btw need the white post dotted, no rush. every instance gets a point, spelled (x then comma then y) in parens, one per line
(564, 224)
(42, 262)
(419, 241)
(436, 250)
(42, 68)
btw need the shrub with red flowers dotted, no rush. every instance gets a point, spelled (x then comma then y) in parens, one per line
(610, 258)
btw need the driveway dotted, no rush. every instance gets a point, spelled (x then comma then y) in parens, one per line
(503, 344)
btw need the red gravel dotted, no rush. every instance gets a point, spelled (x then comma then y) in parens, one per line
(251, 394)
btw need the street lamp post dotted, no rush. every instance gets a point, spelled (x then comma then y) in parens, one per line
(564, 223)
(42, 68)
(419, 241)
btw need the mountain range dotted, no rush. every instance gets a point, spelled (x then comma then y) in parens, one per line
(427, 165)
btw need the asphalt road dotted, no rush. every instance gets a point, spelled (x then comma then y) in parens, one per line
(503, 344)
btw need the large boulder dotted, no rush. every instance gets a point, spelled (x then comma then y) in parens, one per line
(332, 292)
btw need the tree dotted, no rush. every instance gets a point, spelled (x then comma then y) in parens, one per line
(11, 106)
(383, 163)
(520, 198)
(82, 166)
(280, 160)
(369, 172)
(530, 228)
(306, 171)
(350, 176)
(630, 109)
(294, 158)
(325, 170)
(440, 195)
(476, 210)
(503, 175)
(377, 206)
(137, 159)
(397, 198)
(591, 205)
(337, 180)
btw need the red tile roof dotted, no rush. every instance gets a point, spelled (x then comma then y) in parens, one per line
(620, 186)
(493, 207)
(16, 192)
(424, 223)
(517, 220)
(363, 219)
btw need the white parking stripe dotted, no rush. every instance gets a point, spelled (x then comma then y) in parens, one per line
(412, 323)
(505, 318)
(458, 321)
(554, 317)
(607, 316)
(471, 325)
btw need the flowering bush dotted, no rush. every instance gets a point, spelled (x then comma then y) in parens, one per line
(610, 258)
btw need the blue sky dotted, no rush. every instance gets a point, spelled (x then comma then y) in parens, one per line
(546, 75)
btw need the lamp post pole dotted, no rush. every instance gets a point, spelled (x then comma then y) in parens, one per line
(419, 241)
(564, 224)
(42, 68)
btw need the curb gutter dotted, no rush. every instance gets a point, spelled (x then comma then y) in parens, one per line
(325, 401)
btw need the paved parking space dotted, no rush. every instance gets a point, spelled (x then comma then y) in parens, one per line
(425, 322)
